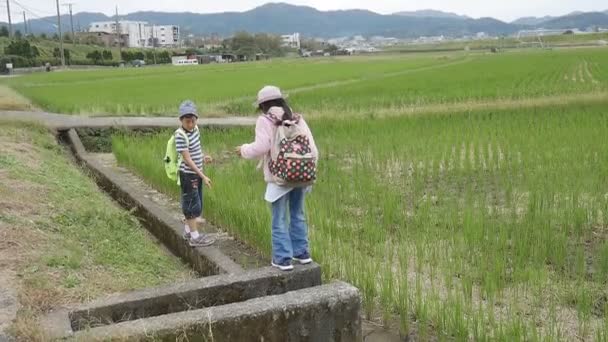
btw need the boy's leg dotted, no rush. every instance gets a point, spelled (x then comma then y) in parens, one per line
(281, 246)
(298, 231)
(191, 206)
(200, 220)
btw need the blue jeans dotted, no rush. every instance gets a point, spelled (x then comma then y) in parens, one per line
(289, 240)
(192, 195)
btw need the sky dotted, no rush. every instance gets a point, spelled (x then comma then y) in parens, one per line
(503, 10)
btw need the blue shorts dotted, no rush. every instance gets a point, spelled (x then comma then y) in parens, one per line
(192, 195)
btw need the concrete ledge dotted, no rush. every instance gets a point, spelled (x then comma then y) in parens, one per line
(197, 294)
(323, 313)
(63, 122)
(206, 261)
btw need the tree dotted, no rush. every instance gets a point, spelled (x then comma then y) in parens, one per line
(107, 55)
(66, 54)
(3, 31)
(43, 36)
(95, 56)
(127, 56)
(18, 34)
(21, 47)
(163, 57)
(139, 55)
(243, 44)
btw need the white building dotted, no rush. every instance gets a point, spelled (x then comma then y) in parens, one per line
(165, 35)
(139, 34)
(291, 40)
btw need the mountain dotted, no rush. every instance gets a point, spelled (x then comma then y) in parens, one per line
(281, 18)
(532, 21)
(580, 21)
(429, 13)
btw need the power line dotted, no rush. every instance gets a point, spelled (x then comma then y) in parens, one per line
(32, 13)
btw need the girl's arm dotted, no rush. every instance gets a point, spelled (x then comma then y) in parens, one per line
(263, 138)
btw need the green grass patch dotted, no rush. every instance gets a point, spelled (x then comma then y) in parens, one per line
(68, 242)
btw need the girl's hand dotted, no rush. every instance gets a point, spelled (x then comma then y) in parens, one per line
(207, 181)
(237, 151)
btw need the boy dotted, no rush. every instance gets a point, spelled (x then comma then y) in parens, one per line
(191, 174)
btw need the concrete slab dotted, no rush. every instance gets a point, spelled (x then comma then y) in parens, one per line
(324, 313)
(191, 295)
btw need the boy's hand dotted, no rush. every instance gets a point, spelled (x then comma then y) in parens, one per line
(208, 159)
(207, 181)
(237, 150)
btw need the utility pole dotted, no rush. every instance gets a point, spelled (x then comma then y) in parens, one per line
(10, 23)
(71, 21)
(24, 23)
(60, 35)
(118, 35)
(154, 42)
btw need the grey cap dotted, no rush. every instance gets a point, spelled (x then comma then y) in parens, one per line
(187, 108)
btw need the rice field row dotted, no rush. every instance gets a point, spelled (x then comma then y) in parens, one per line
(487, 225)
(349, 85)
(156, 90)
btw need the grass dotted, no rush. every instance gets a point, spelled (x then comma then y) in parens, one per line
(486, 225)
(64, 239)
(46, 48)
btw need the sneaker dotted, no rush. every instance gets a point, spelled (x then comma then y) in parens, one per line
(186, 236)
(303, 258)
(202, 241)
(283, 266)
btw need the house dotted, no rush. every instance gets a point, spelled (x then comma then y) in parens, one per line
(165, 35)
(103, 38)
(138, 34)
(184, 60)
(291, 40)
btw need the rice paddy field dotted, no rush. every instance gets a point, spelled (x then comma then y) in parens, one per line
(486, 226)
(464, 195)
(344, 85)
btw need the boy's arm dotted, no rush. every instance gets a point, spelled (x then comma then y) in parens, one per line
(188, 160)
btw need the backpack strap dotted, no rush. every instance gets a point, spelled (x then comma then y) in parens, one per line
(183, 133)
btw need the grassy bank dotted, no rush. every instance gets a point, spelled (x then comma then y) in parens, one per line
(63, 238)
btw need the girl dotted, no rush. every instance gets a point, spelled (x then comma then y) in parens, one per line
(288, 242)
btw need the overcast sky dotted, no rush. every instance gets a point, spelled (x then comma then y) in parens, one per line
(504, 10)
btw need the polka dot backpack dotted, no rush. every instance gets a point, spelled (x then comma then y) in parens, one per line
(292, 162)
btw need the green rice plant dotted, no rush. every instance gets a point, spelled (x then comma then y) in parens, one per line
(489, 209)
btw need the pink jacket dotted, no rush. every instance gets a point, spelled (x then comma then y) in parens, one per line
(265, 131)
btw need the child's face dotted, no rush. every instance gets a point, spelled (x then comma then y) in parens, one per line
(189, 122)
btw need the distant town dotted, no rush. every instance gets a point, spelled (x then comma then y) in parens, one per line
(135, 34)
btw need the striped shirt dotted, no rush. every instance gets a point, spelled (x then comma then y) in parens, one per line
(193, 145)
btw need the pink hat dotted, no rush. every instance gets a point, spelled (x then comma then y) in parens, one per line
(269, 93)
